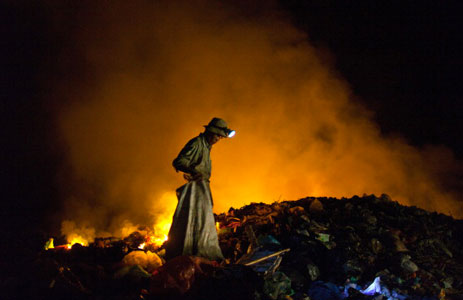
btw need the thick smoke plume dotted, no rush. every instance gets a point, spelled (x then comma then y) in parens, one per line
(150, 75)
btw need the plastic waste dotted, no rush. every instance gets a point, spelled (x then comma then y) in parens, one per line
(407, 265)
(268, 241)
(314, 271)
(323, 237)
(277, 285)
(373, 288)
(352, 267)
(147, 260)
(135, 272)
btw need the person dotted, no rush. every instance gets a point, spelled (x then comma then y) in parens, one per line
(193, 230)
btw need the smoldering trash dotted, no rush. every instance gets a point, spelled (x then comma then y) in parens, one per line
(314, 248)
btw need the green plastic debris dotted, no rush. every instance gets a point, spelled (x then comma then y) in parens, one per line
(323, 237)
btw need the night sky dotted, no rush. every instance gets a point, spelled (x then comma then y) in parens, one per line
(402, 61)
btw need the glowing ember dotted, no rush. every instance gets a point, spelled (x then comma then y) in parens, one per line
(142, 246)
(217, 226)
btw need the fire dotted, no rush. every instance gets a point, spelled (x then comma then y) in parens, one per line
(217, 226)
(76, 240)
(158, 241)
(161, 230)
(164, 210)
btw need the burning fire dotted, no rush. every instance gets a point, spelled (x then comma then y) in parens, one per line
(163, 213)
(154, 236)
(163, 218)
(159, 235)
(76, 240)
(155, 240)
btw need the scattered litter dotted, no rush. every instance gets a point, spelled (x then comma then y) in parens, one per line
(314, 248)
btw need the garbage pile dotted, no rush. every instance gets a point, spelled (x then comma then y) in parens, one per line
(340, 247)
(314, 248)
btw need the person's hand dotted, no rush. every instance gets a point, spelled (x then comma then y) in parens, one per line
(198, 176)
(193, 177)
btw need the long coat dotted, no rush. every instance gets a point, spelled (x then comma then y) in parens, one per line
(193, 230)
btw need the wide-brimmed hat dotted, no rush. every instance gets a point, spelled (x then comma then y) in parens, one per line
(219, 126)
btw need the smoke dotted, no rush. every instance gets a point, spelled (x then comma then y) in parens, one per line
(147, 77)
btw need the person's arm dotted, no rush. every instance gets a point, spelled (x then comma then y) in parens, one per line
(187, 158)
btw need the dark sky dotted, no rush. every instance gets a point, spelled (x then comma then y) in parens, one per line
(403, 61)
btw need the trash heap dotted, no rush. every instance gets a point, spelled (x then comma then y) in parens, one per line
(313, 249)
(340, 246)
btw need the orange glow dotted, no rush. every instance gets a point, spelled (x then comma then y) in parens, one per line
(161, 231)
(155, 83)
(217, 226)
(158, 241)
(82, 235)
(162, 210)
(76, 240)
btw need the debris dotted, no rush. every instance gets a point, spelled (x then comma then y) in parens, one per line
(360, 237)
(407, 265)
(277, 285)
(373, 288)
(336, 245)
(178, 275)
(266, 257)
(313, 271)
(135, 272)
(320, 290)
(147, 260)
(316, 206)
(230, 282)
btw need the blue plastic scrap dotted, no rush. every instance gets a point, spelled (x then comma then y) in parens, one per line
(373, 289)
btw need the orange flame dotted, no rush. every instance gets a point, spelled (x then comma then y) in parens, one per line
(163, 218)
(77, 240)
(158, 241)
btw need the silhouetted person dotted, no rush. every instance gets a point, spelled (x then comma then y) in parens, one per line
(193, 230)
